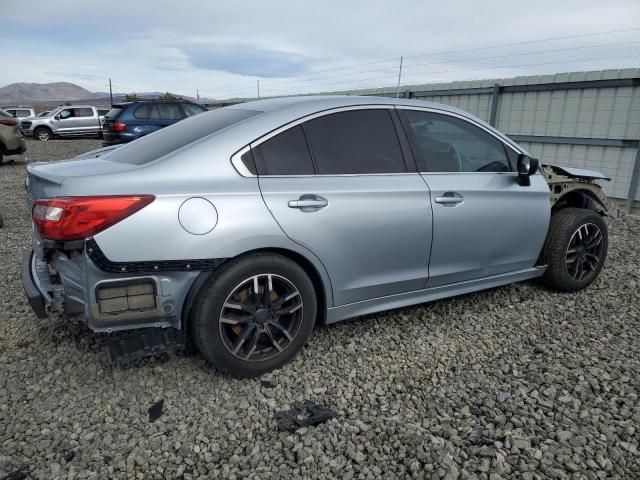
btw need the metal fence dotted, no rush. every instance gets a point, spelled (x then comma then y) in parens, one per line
(582, 119)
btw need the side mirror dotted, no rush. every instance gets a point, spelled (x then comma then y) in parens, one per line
(527, 166)
(57, 117)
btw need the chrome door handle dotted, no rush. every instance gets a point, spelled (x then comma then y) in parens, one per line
(450, 199)
(308, 203)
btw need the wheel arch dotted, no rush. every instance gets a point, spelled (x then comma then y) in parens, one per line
(580, 198)
(313, 268)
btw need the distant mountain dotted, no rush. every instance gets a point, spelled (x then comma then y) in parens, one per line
(34, 92)
(58, 93)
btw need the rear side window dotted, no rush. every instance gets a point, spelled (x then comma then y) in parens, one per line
(170, 111)
(285, 154)
(147, 111)
(192, 109)
(355, 142)
(23, 113)
(450, 144)
(83, 112)
(114, 112)
(152, 147)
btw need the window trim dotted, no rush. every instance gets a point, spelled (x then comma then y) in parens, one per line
(237, 163)
(464, 118)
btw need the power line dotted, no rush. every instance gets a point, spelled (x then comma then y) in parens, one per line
(528, 42)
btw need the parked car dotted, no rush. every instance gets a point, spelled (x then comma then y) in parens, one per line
(131, 120)
(244, 227)
(66, 121)
(20, 112)
(11, 142)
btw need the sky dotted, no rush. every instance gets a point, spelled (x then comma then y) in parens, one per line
(223, 48)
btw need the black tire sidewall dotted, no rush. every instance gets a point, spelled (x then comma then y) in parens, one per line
(208, 305)
(41, 129)
(563, 225)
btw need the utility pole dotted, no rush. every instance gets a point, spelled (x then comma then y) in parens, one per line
(197, 94)
(110, 93)
(258, 88)
(399, 78)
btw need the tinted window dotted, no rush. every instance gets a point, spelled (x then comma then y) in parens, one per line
(102, 112)
(359, 141)
(83, 112)
(146, 111)
(449, 144)
(152, 147)
(192, 109)
(285, 154)
(115, 112)
(170, 111)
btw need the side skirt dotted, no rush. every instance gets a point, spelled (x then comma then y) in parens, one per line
(390, 302)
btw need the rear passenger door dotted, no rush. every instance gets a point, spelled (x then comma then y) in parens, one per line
(86, 121)
(340, 185)
(484, 222)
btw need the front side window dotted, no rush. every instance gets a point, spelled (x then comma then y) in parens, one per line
(284, 154)
(449, 144)
(355, 142)
(66, 113)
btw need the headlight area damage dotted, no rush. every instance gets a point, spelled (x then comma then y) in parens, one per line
(576, 187)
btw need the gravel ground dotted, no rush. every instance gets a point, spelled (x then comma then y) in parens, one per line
(516, 382)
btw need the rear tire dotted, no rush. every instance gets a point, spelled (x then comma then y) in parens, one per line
(43, 134)
(254, 315)
(575, 249)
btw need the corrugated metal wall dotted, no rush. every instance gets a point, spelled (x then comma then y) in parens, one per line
(581, 119)
(600, 112)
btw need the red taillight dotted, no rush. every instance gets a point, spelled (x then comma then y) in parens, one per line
(9, 122)
(75, 218)
(118, 126)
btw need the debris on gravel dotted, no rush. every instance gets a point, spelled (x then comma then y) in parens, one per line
(418, 392)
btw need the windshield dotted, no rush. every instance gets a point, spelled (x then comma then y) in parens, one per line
(169, 139)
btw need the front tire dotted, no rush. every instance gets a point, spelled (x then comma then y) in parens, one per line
(43, 134)
(254, 315)
(575, 249)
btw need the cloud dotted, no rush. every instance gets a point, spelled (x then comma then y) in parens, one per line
(245, 60)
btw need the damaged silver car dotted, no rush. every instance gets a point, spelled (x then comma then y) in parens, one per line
(244, 227)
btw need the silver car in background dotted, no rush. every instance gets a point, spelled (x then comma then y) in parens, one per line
(244, 227)
(65, 121)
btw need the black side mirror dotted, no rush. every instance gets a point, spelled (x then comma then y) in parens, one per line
(57, 117)
(527, 166)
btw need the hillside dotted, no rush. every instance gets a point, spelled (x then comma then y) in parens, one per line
(30, 92)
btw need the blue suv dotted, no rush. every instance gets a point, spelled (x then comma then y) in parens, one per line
(127, 121)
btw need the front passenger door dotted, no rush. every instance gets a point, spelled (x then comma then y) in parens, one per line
(64, 121)
(484, 222)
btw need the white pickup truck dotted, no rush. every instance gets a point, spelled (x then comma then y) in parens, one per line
(65, 121)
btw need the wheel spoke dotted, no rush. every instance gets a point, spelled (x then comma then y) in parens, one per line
(254, 345)
(244, 337)
(240, 306)
(272, 338)
(236, 320)
(282, 330)
(266, 294)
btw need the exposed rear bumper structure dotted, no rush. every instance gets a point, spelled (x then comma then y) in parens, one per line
(37, 298)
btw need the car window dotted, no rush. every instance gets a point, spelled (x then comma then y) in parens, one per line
(11, 112)
(192, 109)
(450, 144)
(285, 154)
(170, 111)
(152, 147)
(147, 111)
(102, 112)
(23, 113)
(115, 112)
(66, 113)
(355, 142)
(83, 112)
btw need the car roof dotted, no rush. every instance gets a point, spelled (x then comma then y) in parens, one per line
(153, 100)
